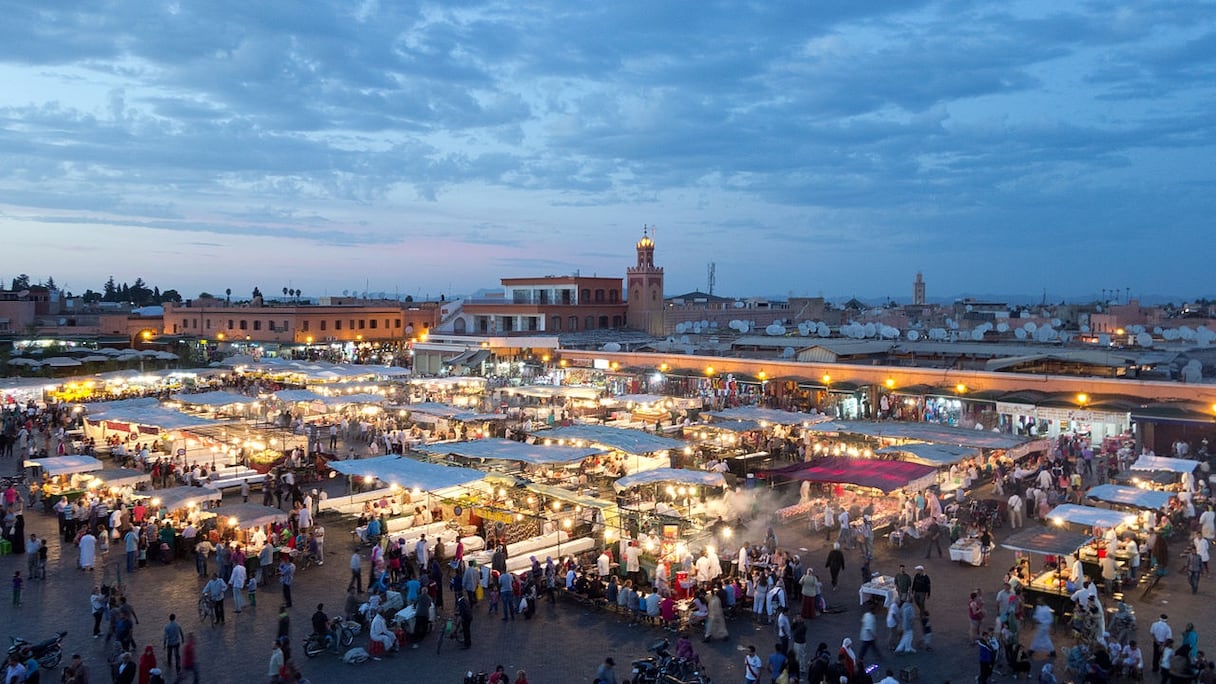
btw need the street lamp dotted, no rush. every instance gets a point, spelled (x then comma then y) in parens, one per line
(960, 388)
(1082, 399)
(890, 383)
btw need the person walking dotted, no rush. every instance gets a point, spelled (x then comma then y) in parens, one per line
(907, 623)
(356, 572)
(1194, 569)
(131, 546)
(868, 635)
(189, 661)
(987, 657)
(506, 595)
(465, 612)
(173, 644)
(811, 588)
(287, 575)
(606, 675)
(935, 539)
(1161, 632)
(1017, 511)
(97, 605)
(237, 582)
(31, 556)
(215, 590)
(751, 666)
(922, 588)
(835, 564)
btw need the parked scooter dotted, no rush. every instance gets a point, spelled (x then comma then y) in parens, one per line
(48, 653)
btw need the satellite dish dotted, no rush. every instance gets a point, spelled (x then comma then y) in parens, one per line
(1002, 327)
(1020, 333)
(611, 347)
(787, 353)
(738, 304)
(1055, 323)
(970, 308)
(977, 335)
(1030, 326)
(1144, 339)
(869, 330)
(913, 335)
(823, 330)
(1024, 314)
(1085, 328)
(775, 329)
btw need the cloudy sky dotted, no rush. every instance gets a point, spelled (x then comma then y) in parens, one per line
(804, 147)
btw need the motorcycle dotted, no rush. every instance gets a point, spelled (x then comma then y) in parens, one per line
(316, 644)
(48, 653)
(649, 670)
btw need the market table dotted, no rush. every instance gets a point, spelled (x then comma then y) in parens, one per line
(967, 550)
(883, 586)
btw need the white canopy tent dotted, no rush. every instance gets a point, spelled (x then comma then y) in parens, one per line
(408, 473)
(765, 415)
(216, 399)
(118, 477)
(510, 450)
(249, 515)
(174, 498)
(1166, 464)
(65, 465)
(1086, 515)
(682, 476)
(1148, 499)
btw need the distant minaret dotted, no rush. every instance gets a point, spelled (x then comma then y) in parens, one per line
(918, 290)
(644, 283)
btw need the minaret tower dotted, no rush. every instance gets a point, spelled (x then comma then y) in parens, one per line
(644, 284)
(918, 290)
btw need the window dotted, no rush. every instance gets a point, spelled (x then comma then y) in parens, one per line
(618, 322)
(614, 296)
(373, 325)
(257, 325)
(362, 324)
(286, 325)
(337, 325)
(599, 296)
(208, 323)
(397, 323)
(654, 295)
(573, 323)
(323, 326)
(566, 297)
(352, 323)
(533, 323)
(230, 324)
(244, 324)
(603, 321)
(387, 325)
(584, 296)
(305, 325)
(589, 323)
(555, 324)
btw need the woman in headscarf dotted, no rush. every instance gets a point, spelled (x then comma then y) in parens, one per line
(147, 662)
(715, 622)
(811, 587)
(1042, 631)
(850, 658)
(1047, 674)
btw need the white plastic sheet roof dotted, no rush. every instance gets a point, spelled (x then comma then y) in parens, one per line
(1164, 463)
(766, 415)
(680, 475)
(510, 450)
(643, 399)
(408, 473)
(144, 411)
(65, 465)
(1087, 515)
(219, 398)
(174, 498)
(450, 412)
(931, 454)
(1131, 496)
(922, 432)
(622, 439)
(302, 395)
(252, 515)
(548, 391)
(121, 477)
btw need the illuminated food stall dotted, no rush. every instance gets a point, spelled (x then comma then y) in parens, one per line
(55, 473)
(552, 464)
(1049, 583)
(861, 485)
(1107, 528)
(449, 422)
(1182, 469)
(631, 450)
(1131, 497)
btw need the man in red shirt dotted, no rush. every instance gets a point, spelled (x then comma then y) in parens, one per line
(189, 660)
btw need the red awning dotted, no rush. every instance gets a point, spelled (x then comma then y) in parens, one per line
(883, 475)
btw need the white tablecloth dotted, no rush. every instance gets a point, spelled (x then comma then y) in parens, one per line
(881, 586)
(966, 551)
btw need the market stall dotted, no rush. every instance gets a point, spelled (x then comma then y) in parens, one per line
(633, 450)
(1182, 468)
(1049, 584)
(55, 473)
(859, 485)
(1132, 497)
(1108, 527)
(766, 416)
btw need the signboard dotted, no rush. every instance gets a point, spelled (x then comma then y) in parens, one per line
(496, 516)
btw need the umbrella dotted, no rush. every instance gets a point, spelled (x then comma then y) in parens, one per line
(24, 362)
(166, 356)
(94, 358)
(62, 362)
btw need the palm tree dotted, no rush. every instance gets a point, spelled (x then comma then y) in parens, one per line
(228, 295)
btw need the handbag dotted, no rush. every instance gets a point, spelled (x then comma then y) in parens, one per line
(523, 605)
(480, 593)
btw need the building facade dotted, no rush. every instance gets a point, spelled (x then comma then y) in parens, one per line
(287, 323)
(548, 304)
(647, 305)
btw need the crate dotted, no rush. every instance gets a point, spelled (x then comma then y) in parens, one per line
(909, 674)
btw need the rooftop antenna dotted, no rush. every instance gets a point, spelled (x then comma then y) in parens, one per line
(713, 276)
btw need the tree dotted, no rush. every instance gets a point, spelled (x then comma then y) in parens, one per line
(91, 297)
(170, 296)
(109, 291)
(286, 291)
(228, 295)
(50, 283)
(21, 282)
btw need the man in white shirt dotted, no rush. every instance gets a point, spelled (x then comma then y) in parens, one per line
(603, 564)
(420, 552)
(632, 561)
(1160, 631)
(744, 560)
(1017, 509)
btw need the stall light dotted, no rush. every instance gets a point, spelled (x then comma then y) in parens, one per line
(609, 533)
(681, 549)
(710, 550)
(683, 490)
(1082, 398)
(394, 487)
(692, 491)
(1059, 522)
(531, 500)
(519, 517)
(369, 479)
(688, 451)
(567, 524)
(890, 383)
(155, 502)
(231, 522)
(727, 533)
(960, 388)
(557, 506)
(671, 491)
(548, 442)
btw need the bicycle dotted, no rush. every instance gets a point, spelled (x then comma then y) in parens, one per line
(447, 632)
(206, 609)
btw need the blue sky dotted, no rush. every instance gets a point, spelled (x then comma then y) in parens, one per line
(804, 147)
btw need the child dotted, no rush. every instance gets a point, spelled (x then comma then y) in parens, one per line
(17, 582)
(252, 587)
(42, 561)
